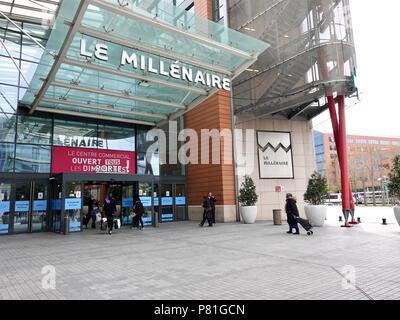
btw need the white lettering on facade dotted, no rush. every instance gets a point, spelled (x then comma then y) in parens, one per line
(149, 64)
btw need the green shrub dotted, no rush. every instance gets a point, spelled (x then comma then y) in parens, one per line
(317, 189)
(247, 194)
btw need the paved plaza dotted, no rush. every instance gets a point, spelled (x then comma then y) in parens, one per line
(228, 261)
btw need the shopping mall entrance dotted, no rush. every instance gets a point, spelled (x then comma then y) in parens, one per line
(164, 200)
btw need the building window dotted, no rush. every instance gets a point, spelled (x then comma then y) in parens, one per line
(75, 134)
(7, 127)
(30, 158)
(6, 157)
(331, 139)
(116, 138)
(219, 10)
(34, 130)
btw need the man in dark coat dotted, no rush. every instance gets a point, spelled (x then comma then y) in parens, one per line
(110, 209)
(212, 201)
(207, 213)
(292, 211)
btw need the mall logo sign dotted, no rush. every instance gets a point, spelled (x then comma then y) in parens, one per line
(160, 67)
(275, 155)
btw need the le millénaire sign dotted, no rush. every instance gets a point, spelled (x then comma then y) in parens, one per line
(92, 161)
(146, 63)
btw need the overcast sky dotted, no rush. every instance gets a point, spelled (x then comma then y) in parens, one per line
(376, 32)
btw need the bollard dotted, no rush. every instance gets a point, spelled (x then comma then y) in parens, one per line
(340, 219)
(358, 219)
(384, 221)
(66, 225)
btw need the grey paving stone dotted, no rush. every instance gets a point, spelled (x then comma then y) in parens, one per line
(182, 261)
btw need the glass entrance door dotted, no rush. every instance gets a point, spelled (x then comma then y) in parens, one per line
(22, 207)
(167, 203)
(5, 193)
(145, 197)
(38, 219)
(128, 195)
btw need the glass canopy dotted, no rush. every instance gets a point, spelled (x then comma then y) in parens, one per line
(135, 61)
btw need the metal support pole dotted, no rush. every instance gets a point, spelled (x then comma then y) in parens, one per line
(343, 151)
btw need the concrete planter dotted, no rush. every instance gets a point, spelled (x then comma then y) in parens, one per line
(248, 214)
(397, 214)
(316, 215)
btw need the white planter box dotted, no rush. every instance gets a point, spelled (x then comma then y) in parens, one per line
(316, 215)
(249, 214)
(397, 214)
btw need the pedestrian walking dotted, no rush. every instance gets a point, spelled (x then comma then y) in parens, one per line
(212, 201)
(110, 209)
(138, 209)
(292, 211)
(207, 212)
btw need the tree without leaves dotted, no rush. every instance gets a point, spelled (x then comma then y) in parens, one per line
(317, 189)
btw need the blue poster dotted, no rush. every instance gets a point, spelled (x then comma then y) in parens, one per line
(74, 226)
(4, 206)
(147, 221)
(127, 202)
(40, 205)
(56, 204)
(167, 217)
(73, 204)
(166, 201)
(146, 201)
(156, 201)
(3, 228)
(180, 201)
(22, 206)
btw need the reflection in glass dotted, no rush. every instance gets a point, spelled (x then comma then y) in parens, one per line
(148, 166)
(75, 134)
(7, 127)
(34, 130)
(6, 157)
(116, 138)
(32, 159)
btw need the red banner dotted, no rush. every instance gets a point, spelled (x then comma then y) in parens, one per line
(67, 159)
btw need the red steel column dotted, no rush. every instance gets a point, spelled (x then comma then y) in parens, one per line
(335, 127)
(343, 152)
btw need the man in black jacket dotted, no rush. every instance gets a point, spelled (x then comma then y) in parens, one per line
(292, 211)
(212, 200)
(110, 210)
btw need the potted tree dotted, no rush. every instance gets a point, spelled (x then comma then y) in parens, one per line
(394, 185)
(248, 199)
(317, 191)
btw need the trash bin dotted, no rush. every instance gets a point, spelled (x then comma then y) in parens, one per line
(66, 225)
(277, 214)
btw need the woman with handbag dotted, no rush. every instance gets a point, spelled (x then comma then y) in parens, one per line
(207, 213)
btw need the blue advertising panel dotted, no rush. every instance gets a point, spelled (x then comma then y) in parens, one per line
(73, 204)
(180, 201)
(22, 206)
(3, 228)
(40, 205)
(4, 206)
(166, 201)
(74, 226)
(127, 202)
(146, 201)
(155, 201)
(56, 204)
(147, 220)
(165, 217)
